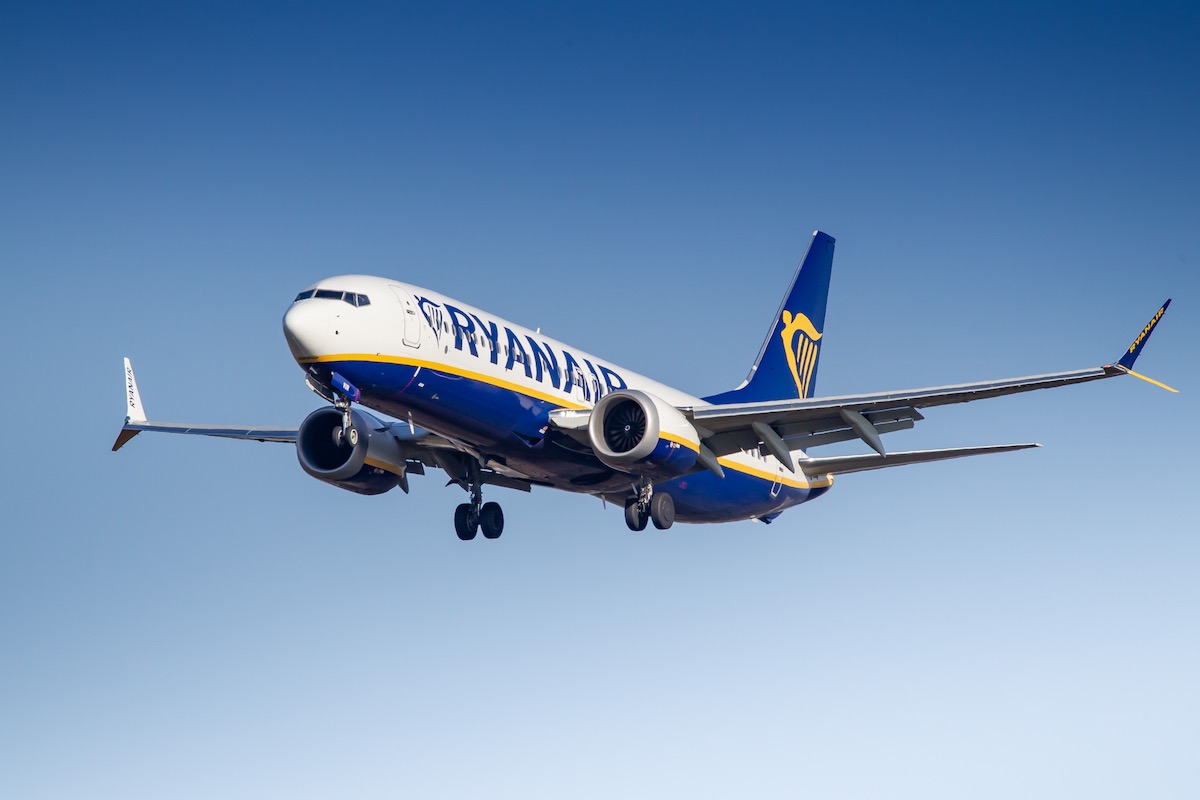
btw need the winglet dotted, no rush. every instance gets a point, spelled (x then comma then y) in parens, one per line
(1135, 349)
(134, 412)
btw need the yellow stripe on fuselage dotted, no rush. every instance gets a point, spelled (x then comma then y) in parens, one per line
(482, 377)
(439, 366)
(786, 480)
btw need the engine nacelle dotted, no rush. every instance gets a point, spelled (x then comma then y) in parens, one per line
(636, 432)
(366, 461)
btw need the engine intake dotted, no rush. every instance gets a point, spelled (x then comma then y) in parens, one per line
(634, 431)
(366, 461)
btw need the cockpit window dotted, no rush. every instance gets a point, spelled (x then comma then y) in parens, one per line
(352, 298)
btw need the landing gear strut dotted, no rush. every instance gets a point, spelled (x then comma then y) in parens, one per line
(469, 518)
(649, 506)
(347, 434)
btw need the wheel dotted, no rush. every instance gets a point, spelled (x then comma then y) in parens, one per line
(464, 523)
(635, 518)
(491, 520)
(662, 510)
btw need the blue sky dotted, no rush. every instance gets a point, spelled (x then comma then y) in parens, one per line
(1013, 191)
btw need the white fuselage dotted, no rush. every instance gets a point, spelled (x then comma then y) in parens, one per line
(467, 362)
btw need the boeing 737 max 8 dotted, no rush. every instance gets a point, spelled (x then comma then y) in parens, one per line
(493, 403)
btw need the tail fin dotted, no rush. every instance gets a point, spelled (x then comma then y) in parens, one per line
(786, 366)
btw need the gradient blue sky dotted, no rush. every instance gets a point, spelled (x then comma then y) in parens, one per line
(1014, 190)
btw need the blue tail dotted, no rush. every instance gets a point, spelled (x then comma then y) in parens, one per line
(786, 366)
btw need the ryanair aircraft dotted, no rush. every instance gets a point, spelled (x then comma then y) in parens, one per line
(494, 404)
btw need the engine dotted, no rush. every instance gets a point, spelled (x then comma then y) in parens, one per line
(364, 460)
(636, 432)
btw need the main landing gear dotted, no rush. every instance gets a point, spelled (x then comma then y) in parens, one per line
(648, 506)
(489, 519)
(472, 517)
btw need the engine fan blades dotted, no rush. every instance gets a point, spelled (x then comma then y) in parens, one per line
(624, 427)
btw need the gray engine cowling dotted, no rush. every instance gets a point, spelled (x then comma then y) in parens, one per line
(635, 432)
(367, 461)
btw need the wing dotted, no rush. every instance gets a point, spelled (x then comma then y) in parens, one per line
(136, 422)
(133, 428)
(782, 426)
(410, 451)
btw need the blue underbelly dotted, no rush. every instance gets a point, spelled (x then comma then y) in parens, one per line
(513, 428)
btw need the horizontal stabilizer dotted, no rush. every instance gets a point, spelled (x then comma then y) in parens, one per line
(840, 465)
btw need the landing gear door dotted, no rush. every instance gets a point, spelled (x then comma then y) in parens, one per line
(412, 322)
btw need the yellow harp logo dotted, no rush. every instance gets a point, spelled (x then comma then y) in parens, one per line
(800, 338)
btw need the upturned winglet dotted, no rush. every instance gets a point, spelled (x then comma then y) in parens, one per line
(133, 408)
(1135, 349)
(1125, 364)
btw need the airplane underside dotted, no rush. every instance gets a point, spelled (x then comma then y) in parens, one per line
(511, 433)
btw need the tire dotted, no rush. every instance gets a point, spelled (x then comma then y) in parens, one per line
(491, 520)
(464, 525)
(634, 518)
(662, 510)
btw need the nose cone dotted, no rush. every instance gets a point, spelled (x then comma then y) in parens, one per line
(308, 327)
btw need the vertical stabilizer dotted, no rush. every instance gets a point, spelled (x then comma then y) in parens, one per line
(786, 366)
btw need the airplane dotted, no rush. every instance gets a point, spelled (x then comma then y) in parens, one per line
(492, 403)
